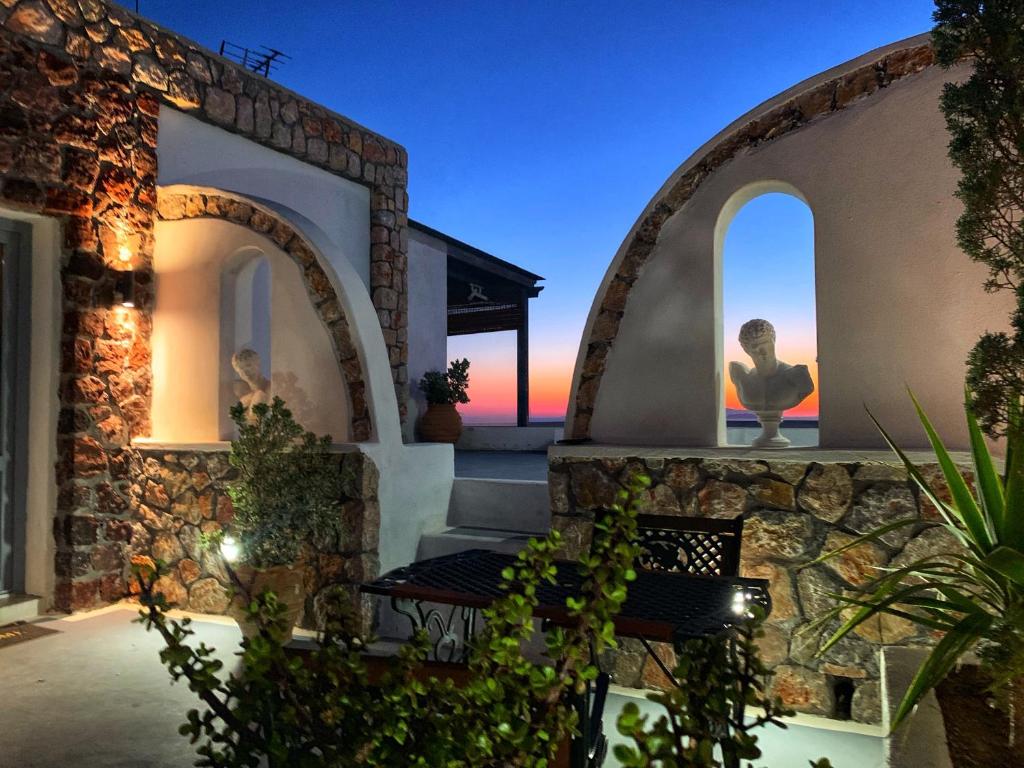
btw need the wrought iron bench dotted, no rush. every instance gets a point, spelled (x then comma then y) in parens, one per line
(699, 546)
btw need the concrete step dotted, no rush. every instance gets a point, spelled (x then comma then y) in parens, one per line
(18, 608)
(462, 538)
(507, 505)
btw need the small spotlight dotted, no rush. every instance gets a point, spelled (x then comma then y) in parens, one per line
(124, 253)
(739, 603)
(124, 288)
(230, 549)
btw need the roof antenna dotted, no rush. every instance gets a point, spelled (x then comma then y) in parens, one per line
(262, 61)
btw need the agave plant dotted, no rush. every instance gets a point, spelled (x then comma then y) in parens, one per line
(973, 594)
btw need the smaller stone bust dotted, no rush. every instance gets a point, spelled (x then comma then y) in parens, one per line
(254, 387)
(772, 386)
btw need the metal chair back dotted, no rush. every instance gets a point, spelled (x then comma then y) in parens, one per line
(700, 546)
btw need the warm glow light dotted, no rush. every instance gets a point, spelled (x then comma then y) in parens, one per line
(230, 549)
(125, 318)
(124, 253)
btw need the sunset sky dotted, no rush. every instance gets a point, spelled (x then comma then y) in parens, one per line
(538, 131)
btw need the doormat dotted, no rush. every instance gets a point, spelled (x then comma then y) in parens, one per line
(21, 631)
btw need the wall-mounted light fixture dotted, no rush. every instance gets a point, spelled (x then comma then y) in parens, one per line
(124, 288)
(119, 244)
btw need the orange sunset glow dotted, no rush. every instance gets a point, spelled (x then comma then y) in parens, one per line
(492, 380)
(793, 345)
(807, 409)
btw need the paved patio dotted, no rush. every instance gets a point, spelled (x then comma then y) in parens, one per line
(96, 696)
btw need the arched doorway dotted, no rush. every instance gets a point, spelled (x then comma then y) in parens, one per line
(766, 247)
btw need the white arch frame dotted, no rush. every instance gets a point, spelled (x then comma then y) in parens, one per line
(238, 319)
(732, 206)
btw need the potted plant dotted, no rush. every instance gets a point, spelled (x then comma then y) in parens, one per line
(288, 491)
(442, 422)
(971, 592)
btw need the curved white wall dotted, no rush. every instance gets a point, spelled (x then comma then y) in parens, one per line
(190, 260)
(898, 303)
(193, 152)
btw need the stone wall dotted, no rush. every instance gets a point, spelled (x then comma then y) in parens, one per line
(178, 72)
(178, 495)
(792, 511)
(81, 84)
(79, 144)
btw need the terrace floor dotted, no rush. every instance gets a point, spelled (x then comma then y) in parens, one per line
(96, 696)
(502, 465)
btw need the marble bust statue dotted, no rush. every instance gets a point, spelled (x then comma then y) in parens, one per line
(772, 386)
(254, 388)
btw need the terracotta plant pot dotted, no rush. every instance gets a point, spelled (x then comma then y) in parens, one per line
(441, 424)
(285, 581)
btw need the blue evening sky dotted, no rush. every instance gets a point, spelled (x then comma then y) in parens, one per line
(538, 131)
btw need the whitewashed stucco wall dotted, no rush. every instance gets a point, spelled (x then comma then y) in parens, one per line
(428, 309)
(898, 304)
(193, 152)
(188, 403)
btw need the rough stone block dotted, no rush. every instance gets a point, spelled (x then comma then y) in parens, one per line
(826, 492)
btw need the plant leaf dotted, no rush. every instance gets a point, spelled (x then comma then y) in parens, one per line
(945, 510)
(1012, 532)
(1009, 562)
(940, 661)
(990, 486)
(964, 502)
(872, 535)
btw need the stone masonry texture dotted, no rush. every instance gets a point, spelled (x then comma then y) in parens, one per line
(792, 511)
(81, 85)
(177, 497)
(817, 103)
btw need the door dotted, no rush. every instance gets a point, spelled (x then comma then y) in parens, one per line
(15, 272)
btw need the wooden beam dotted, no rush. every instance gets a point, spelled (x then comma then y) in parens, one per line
(523, 363)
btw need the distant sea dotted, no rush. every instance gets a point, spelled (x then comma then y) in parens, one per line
(734, 416)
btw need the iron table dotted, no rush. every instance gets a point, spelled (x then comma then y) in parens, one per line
(443, 596)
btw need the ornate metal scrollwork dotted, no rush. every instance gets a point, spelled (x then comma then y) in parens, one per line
(450, 628)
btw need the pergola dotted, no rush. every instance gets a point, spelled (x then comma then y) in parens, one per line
(487, 294)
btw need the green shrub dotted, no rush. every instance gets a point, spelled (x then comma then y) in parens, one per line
(289, 487)
(326, 710)
(985, 118)
(704, 725)
(447, 388)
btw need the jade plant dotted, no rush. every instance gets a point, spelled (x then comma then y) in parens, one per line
(288, 487)
(447, 387)
(328, 708)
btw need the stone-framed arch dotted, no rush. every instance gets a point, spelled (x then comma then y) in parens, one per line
(811, 101)
(201, 203)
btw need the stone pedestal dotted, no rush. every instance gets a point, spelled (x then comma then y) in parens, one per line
(770, 437)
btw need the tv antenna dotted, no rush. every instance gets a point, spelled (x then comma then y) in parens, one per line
(262, 61)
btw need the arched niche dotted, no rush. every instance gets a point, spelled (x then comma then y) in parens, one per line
(245, 321)
(766, 269)
(220, 286)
